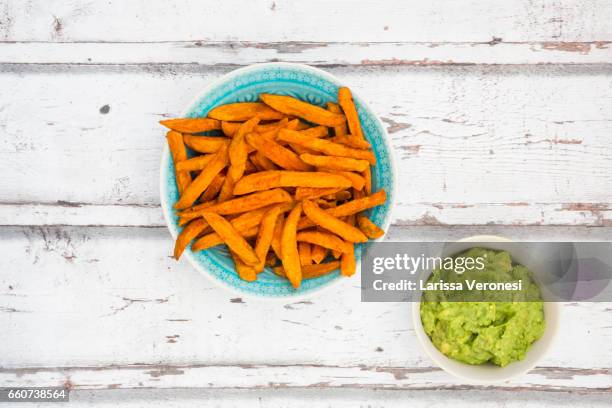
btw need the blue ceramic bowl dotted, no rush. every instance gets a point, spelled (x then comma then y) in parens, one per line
(244, 85)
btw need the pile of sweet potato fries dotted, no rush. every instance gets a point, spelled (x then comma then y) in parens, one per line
(275, 160)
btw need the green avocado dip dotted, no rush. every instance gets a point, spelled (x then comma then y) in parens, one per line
(489, 330)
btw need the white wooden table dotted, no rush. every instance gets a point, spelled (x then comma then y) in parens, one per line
(501, 119)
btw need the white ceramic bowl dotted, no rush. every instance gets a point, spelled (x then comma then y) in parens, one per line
(489, 373)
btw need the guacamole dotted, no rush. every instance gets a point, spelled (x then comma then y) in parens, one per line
(493, 331)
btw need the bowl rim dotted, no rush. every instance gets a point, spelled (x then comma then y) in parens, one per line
(552, 328)
(165, 156)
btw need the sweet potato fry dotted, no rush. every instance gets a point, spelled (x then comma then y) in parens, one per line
(351, 207)
(296, 124)
(324, 239)
(183, 215)
(303, 193)
(367, 175)
(227, 189)
(272, 133)
(311, 271)
(318, 253)
(299, 149)
(205, 144)
(213, 188)
(246, 224)
(191, 125)
(264, 236)
(332, 224)
(294, 107)
(182, 221)
(238, 155)
(245, 271)
(304, 250)
(276, 153)
(335, 162)
(348, 263)
(362, 204)
(179, 154)
(339, 130)
(213, 239)
(371, 230)
(299, 125)
(230, 128)
(345, 99)
(325, 146)
(268, 135)
(357, 181)
(197, 186)
(341, 195)
(351, 141)
(248, 202)
(243, 221)
(232, 238)
(262, 162)
(238, 152)
(253, 218)
(316, 132)
(289, 250)
(266, 180)
(336, 254)
(238, 112)
(192, 230)
(325, 204)
(276, 238)
(195, 163)
(264, 127)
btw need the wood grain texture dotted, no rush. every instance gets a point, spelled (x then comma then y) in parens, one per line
(337, 398)
(405, 215)
(69, 213)
(316, 20)
(110, 303)
(323, 33)
(254, 376)
(499, 114)
(520, 146)
(371, 54)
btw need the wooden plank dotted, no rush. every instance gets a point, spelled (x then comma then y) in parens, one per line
(105, 297)
(404, 215)
(66, 213)
(253, 376)
(207, 53)
(316, 20)
(507, 140)
(105, 308)
(517, 233)
(320, 397)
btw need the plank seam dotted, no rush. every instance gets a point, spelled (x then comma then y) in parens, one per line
(258, 44)
(399, 373)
